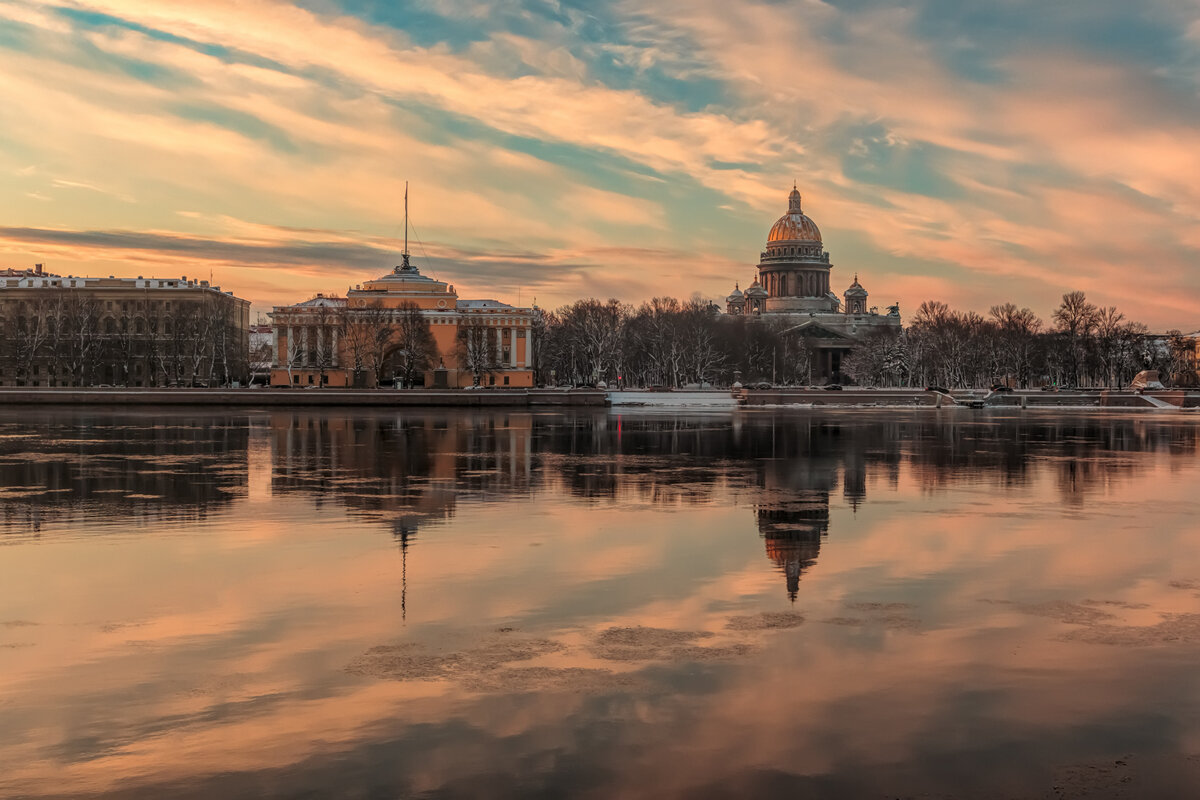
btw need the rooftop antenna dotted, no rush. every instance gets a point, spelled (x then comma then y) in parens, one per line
(405, 254)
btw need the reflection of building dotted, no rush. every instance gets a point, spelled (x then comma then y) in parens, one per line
(111, 466)
(354, 340)
(793, 287)
(404, 470)
(806, 465)
(68, 331)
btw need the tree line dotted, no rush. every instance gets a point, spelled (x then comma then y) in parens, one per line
(1083, 345)
(672, 343)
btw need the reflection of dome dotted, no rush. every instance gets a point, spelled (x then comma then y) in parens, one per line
(793, 534)
(793, 557)
(794, 226)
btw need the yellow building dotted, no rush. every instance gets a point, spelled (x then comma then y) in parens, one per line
(362, 339)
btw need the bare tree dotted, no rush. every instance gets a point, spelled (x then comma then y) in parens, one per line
(1076, 319)
(323, 351)
(81, 341)
(31, 333)
(477, 350)
(414, 345)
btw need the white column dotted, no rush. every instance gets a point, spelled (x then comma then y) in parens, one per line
(333, 332)
(499, 344)
(512, 347)
(529, 348)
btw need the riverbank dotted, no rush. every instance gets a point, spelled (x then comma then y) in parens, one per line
(458, 398)
(1164, 399)
(715, 399)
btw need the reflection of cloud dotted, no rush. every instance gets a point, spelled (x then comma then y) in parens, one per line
(627, 632)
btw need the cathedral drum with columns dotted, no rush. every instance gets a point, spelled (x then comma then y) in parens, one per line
(793, 288)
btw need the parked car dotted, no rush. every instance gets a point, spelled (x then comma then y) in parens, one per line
(833, 387)
(937, 389)
(999, 387)
(762, 385)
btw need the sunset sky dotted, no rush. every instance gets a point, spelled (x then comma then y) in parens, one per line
(960, 150)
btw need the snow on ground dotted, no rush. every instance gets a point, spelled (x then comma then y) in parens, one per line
(710, 399)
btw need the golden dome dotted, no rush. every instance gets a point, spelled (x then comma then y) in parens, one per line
(794, 226)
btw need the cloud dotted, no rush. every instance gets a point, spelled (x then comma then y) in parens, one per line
(928, 144)
(315, 260)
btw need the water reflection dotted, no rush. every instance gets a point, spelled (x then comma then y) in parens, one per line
(591, 604)
(137, 468)
(406, 470)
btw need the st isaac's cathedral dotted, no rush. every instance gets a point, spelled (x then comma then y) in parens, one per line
(792, 289)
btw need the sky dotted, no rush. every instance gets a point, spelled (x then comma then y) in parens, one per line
(969, 151)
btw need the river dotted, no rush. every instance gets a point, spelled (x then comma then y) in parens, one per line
(857, 603)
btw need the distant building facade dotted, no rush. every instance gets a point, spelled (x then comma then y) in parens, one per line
(359, 340)
(793, 289)
(58, 331)
(262, 353)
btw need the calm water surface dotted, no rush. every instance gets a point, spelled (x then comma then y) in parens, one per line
(369, 605)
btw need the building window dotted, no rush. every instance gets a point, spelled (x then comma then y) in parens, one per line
(506, 380)
(296, 379)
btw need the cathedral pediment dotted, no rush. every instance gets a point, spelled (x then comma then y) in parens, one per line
(815, 330)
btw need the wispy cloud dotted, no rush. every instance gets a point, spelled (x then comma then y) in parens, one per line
(930, 146)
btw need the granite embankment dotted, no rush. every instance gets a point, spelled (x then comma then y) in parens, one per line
(458, 398)
(1164, 399)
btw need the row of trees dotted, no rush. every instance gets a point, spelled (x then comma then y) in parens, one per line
(664, 342)
(68, 338)
(1085, 345)
(672, 343)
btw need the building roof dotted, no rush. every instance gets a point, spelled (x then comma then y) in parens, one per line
(856, 289)
(485, 304)
(321, 301)
(755, 290)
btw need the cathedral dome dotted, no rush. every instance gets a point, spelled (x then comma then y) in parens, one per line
(755, 290)
(794, 226)
(856, 289)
